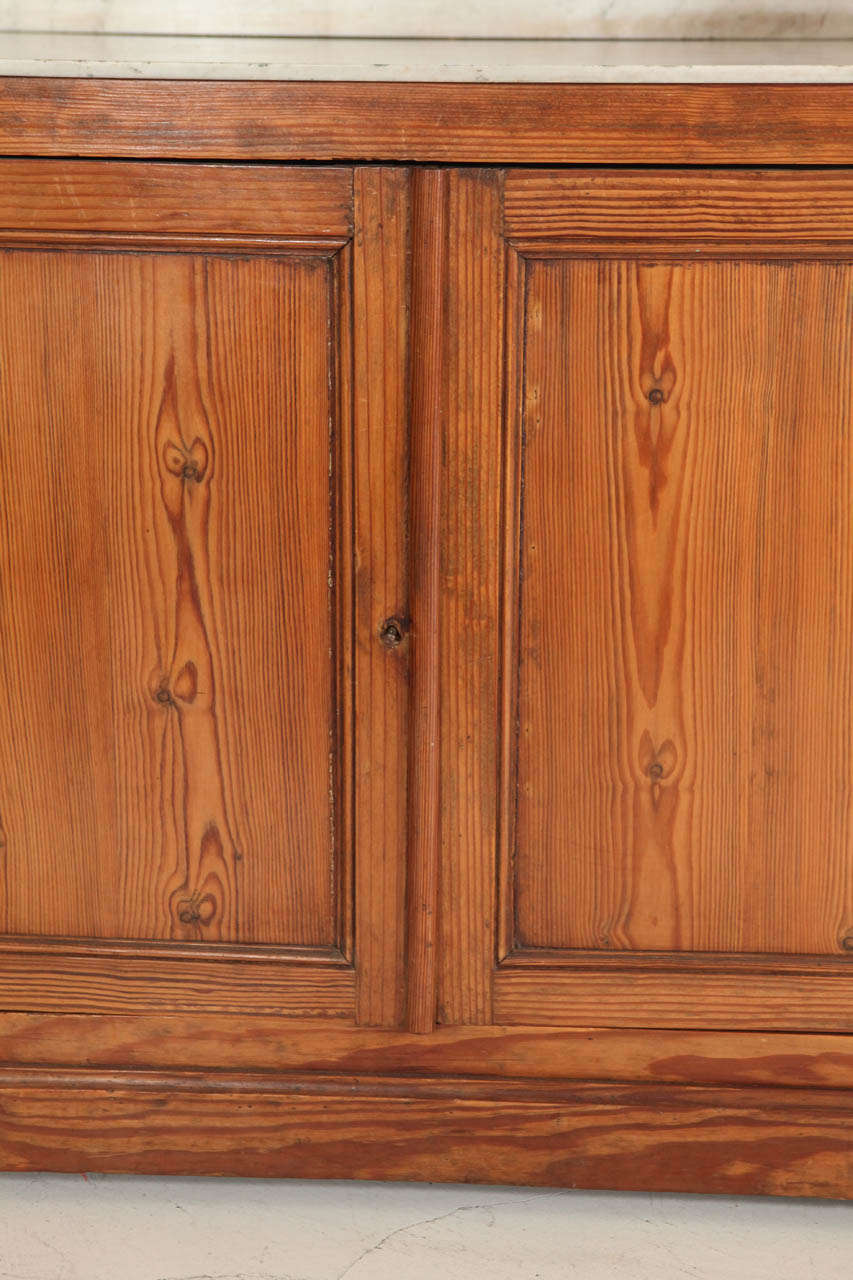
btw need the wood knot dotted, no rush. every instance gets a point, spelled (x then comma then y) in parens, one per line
(163, 696)
(658, 384)
(198, 909)
(847, 941)
(657, 763)
(391, 632)
(187, 463)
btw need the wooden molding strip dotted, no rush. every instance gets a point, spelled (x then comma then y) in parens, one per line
(453, 123)
(471, 540)
(379, 391)
(429, 233)
(747, 964)
(121, 948)
(733, 1140)
(130, 242)
(205, 1041)
(684, 250)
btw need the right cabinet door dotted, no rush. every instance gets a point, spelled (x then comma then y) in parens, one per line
(647, 628)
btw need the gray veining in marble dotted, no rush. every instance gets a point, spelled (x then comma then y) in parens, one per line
(486, 19)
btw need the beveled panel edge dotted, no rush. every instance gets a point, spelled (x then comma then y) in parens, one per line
(247, 953)
(194, 244)
(683, 250)
(551, 959)
(510, 599)
(513, 956)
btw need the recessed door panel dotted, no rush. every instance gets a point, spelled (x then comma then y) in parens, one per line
(684, 763)
(168, 728)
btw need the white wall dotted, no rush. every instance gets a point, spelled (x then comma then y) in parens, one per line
(114, 1228)
(647, 19)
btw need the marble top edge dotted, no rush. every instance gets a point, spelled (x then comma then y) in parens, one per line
(443, 60)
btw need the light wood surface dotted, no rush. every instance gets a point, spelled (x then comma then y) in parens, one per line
(379, 392)
(174, 199)
(673, 606)
(428, 240)
(177, 719)
(685, 607)
(143, 787)
(480, 124)
(693, 211)
(213, 1041)
(471, 480)
(777, 1141)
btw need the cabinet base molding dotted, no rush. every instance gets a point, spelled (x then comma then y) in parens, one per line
(793, 1142)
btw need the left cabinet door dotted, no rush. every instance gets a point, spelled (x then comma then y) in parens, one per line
(202, 473)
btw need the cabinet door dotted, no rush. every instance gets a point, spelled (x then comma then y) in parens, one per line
(648, 601)
(202, 452)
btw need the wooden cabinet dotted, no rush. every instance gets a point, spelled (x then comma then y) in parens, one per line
(426, 598)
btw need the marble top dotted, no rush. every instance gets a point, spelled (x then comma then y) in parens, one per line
(524, 61)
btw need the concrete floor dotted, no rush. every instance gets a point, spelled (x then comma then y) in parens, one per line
(57, 1227)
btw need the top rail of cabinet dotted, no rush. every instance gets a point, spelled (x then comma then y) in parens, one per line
(429, 120)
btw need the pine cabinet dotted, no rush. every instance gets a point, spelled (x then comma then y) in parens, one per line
(426, 600)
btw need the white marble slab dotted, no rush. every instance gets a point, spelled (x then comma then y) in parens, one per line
(523, 61)
(485, 19)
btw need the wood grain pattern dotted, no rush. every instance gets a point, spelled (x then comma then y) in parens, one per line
(778, 1141)
(428, 250)
(176, 687)
(175, 199)
(198, 1040)
(678, 493)
(115, 982)
(449, 123)
(756, 207)
(659, 996)
(285, 503)
(382, 674)
(512, 499)
(682, 628)
(471, 465)
(143, 787)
